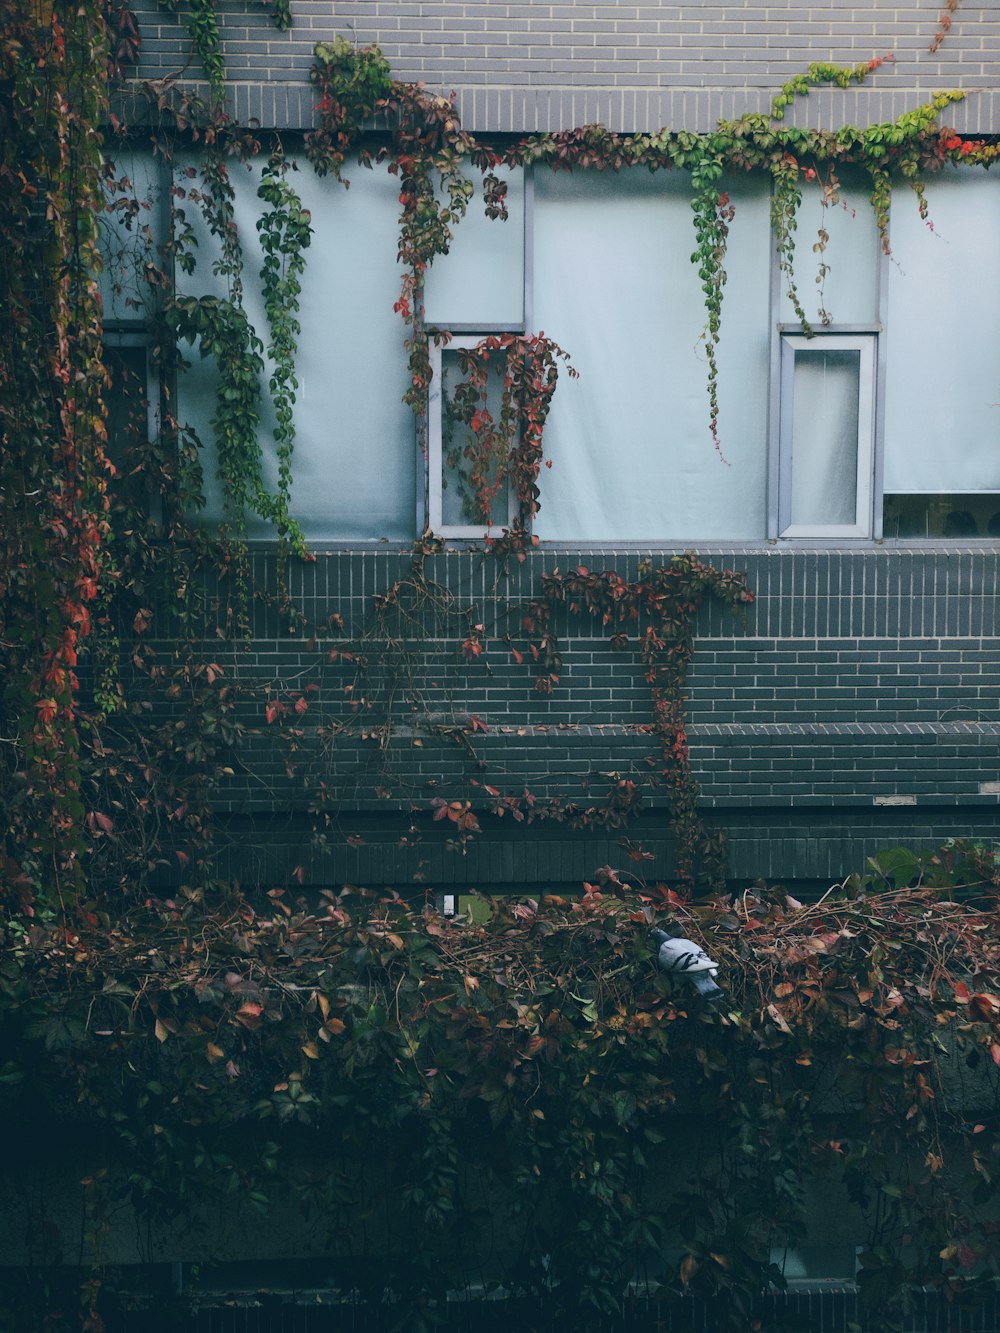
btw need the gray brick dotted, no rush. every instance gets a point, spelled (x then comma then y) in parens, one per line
(760, 42)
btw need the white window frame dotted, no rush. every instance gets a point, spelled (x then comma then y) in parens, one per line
(865, 342)
(435, 455)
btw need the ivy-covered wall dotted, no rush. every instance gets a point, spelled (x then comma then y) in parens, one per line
(858, 688)
(847, 708)
(540, 65)
(852, 705)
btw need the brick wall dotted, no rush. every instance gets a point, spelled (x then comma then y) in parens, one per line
(539, 65)
(855, 704)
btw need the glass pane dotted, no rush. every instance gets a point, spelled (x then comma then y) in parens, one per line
(126, 401)
(810, 1263)
(129, 236)
(480, 280)
(825, 437)
(955, 516)
(475, 445)
(942, 423)
(836, 254)
(632, 457)
(354, 468)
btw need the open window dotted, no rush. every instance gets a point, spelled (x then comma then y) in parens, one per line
(826, 438)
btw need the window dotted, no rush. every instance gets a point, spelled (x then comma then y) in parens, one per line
(131, 232)
(825, 400)
(132, 229)
(483, 284)
(827, 435)
(354, 466)
(469, 443)
(885, 423)
(942, 418)
(632, 458)
(132, 398)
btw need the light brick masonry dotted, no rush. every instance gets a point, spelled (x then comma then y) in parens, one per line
(545, 66)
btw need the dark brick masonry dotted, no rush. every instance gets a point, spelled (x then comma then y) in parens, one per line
(854, 705)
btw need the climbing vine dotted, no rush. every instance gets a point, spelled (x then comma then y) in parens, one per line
(944, 25)
(285, 235)
(429, 142)
(501, 448)
(434, 158)
(202, 23)
(667, 598)
(432, 155)
(52, 419)
(352, 82)
(713, 212)
(539, 1060)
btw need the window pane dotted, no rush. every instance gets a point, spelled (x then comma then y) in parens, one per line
(827, 385)
(629, 440)
(130, 235)
(976, 515)
(471, 492)
(126, 400)
(481, 278)
(354, 467)
(809, 1263)
(942, 422)
(847, 292)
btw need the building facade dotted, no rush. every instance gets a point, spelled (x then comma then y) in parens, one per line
(853, 704)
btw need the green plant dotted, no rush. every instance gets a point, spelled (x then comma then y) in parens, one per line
(52, 417)
(713, 212)
(352, 82)
(203, 26)
(285, 234)
(661, 605)
(207, 1037)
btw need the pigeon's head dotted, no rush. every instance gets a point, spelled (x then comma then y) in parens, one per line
(682, 957)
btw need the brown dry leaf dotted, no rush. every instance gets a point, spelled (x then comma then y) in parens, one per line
(249, 1014)
(778, 1017)
(985, 1005)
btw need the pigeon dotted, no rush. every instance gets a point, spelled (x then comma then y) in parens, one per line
(684, 958)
